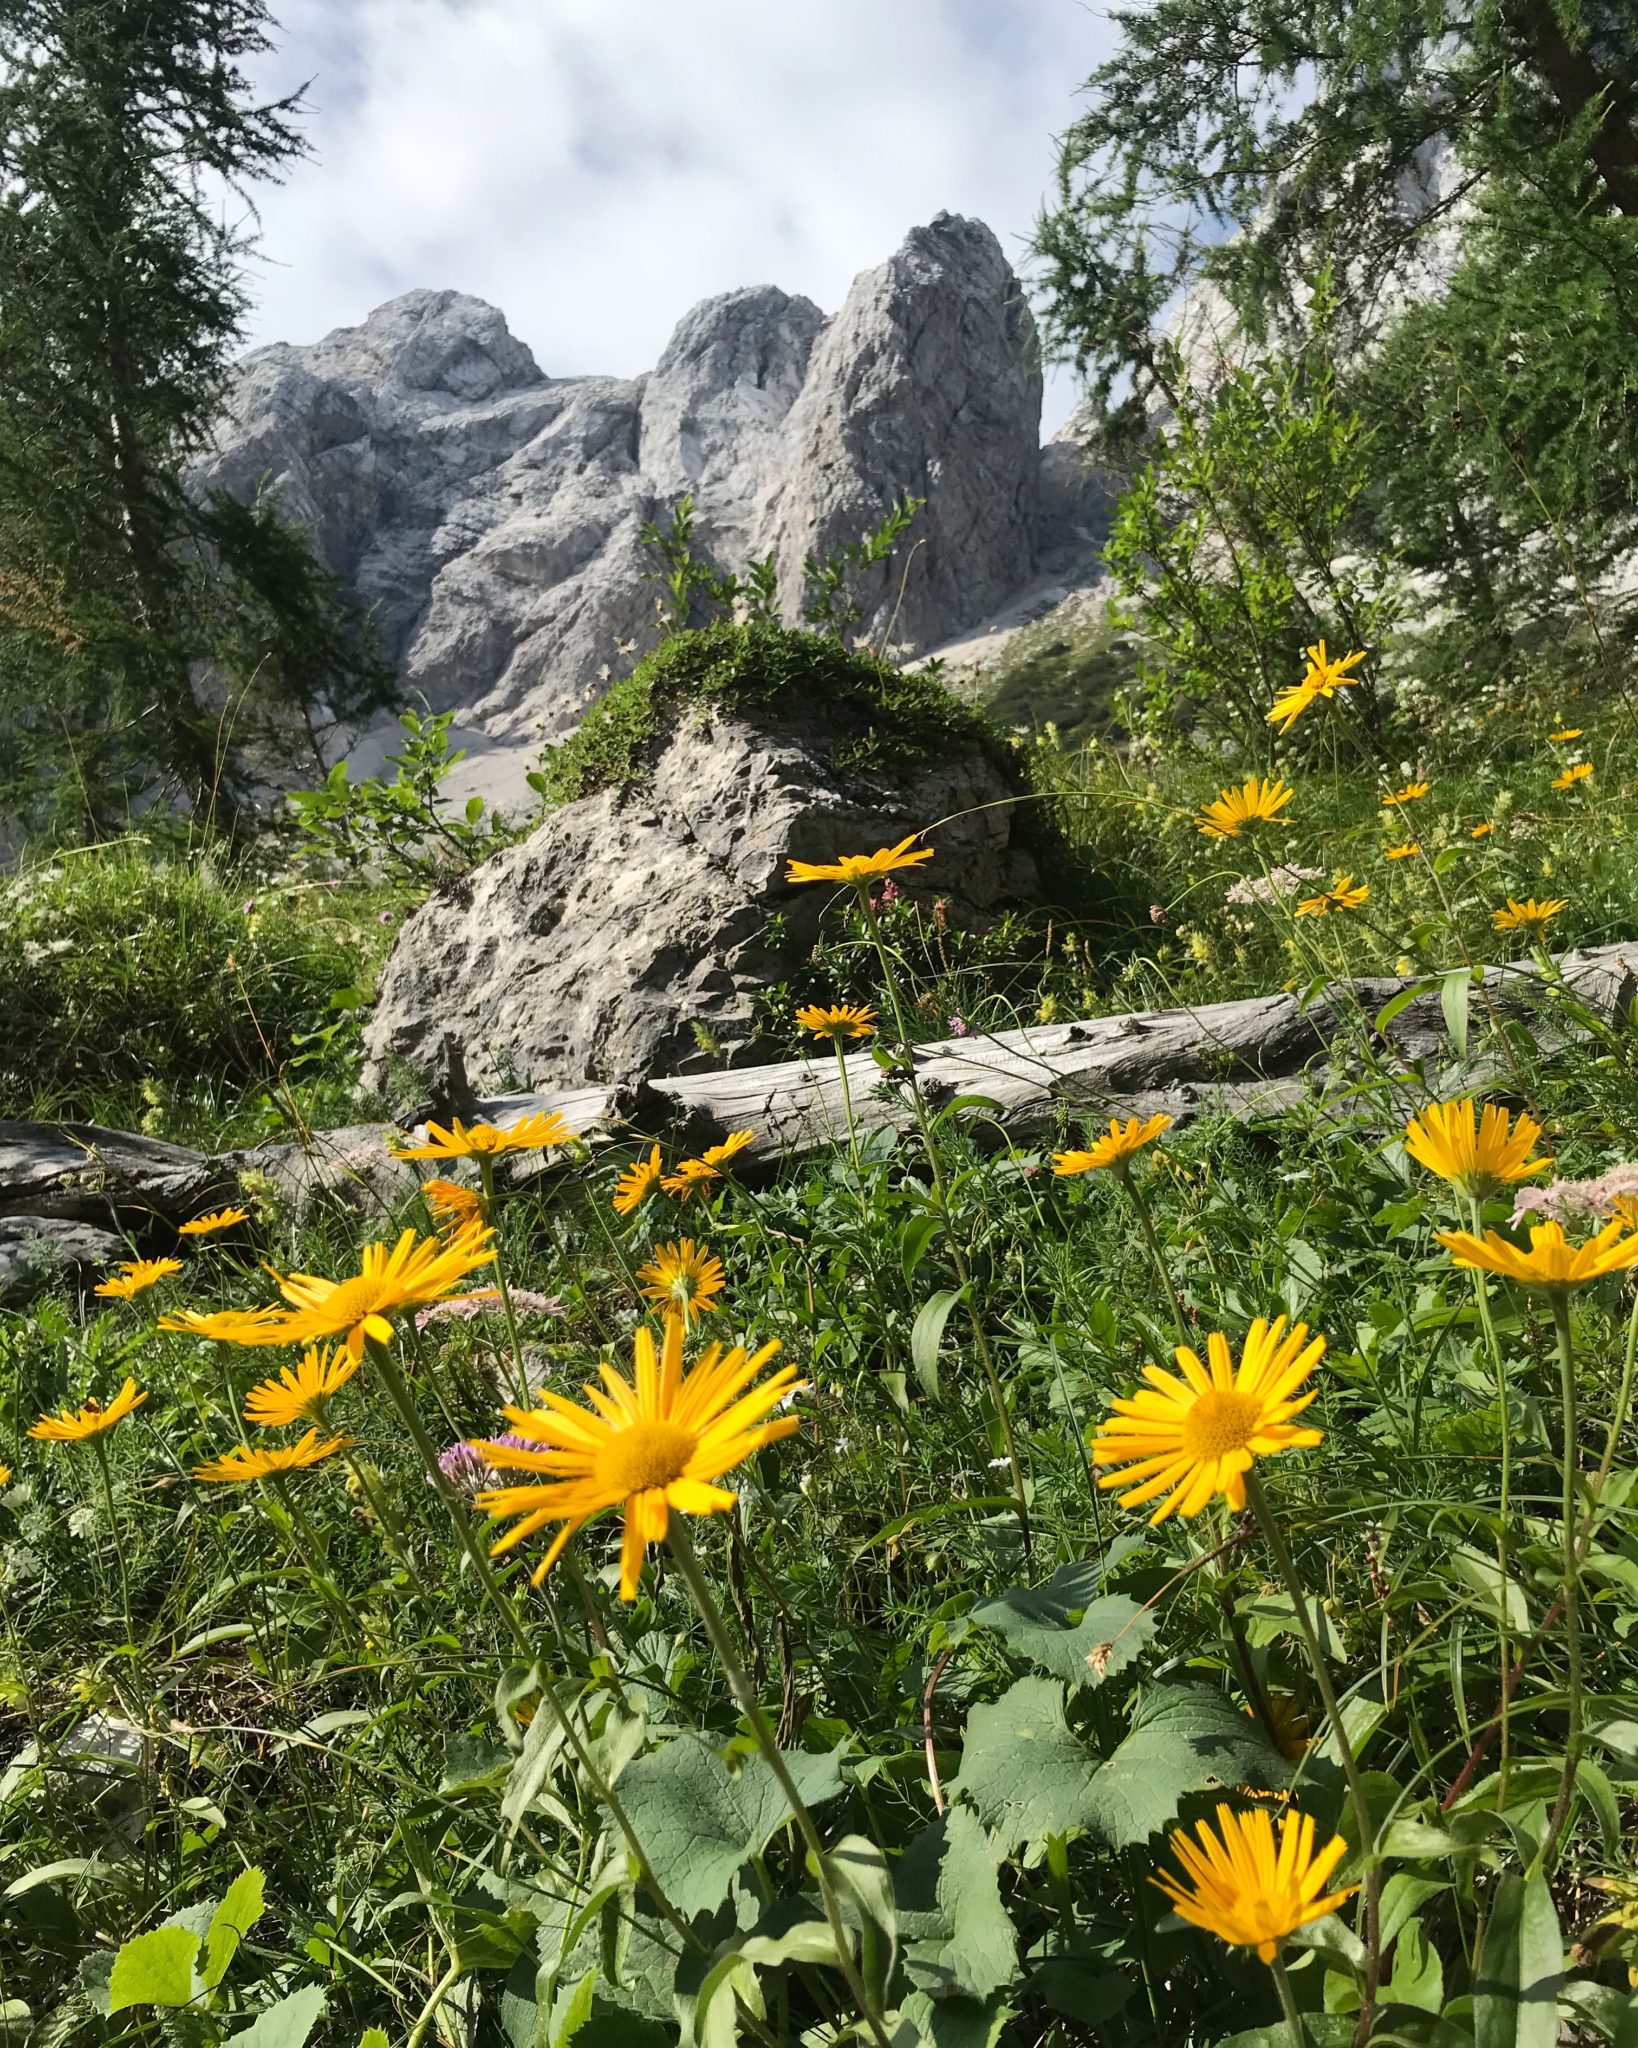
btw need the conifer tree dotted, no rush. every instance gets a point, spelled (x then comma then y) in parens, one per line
(142, 630)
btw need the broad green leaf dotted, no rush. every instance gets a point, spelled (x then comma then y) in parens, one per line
(857, 1870)
(1064, 1628)
(1479, 1572)
(16, 2020)
(808, 1941)
(1021, 1768)
(924, 2022)
(1402, 1896)
(154, 1969)
(1455, 993)
(1515, 1987)
(1183, 1740)
(542, 1746)
(948, 1893)
(1418, 1977)
(230, 1923)
(914, 1239)
(926, 1335)
(287, 2024)
(698, 1821)
(1325, 2030)
(1081, 1988)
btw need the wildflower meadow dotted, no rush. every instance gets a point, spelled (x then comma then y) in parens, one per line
(1165, 1578)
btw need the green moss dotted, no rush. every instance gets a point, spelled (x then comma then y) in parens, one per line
(875, 718)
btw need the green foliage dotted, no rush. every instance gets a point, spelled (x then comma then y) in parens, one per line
(403, 828)
(873, 717)
(141, 980)
(144, 635)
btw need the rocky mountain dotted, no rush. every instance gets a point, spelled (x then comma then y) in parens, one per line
(491, 513)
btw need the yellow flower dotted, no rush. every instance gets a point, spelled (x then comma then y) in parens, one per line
(1528, 915)
(73, 1425)
(1481, 831)
(653, 1443)
(692, 1176)
(1407, 795)
(136, 1274)
(1118, 1144)
(301, 1393)
(859, 868)
(453, 1206)
(841, 1020)
(470, 1141)
(1254, 803)
(1240, 1887)
(1195, 1438)
(243, 1464)
(1551, 1261)
(1571, 776)
(1346, 895)
(1478, 1157)
(636, 1182)
(413, 1271)
(1406, 852)
(229, 1325)
(218, 1219)
(5, 1475)
(1322, 679)
(1570, 732)
(684, 1278)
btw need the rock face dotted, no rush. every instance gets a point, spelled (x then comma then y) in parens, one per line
(491, 513)
(592, 950)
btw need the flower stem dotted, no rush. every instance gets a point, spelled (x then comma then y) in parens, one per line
(1288, 2005)
(101, 1450)
(941, 1199)
(688, 1564)
(1257, 1500)
(1560, 1298)
(1503, 1637)
(1146, 1225)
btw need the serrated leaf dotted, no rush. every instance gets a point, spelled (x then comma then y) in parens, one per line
(374, 2038)
(699, 1822)
(230, 1923)
(1184, 1740)
(154, 1969)
(1515, 1984)
(286, 2024)
(1065, 1628)
(1022, 1770)
(948, 1893)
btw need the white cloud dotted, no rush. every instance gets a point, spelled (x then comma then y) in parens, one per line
(594, 167)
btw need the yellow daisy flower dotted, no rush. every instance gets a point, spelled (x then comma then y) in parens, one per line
(1569, 732)
(637, 1182)
(860, 868)
(1347, 894)
(245, 1463)
(228, 1325)
(1407, 795)
(1256, 802)
(1240, 1887)
(414, 1271)
(731, 1146)
(5, 1475)
(1482, 831)
(74, 1425)
(653, 1443)
(1321, 680)
(218, 1219)
(1478, 1156)
(684, 1279)
(1551, 1261)
(134, 1276)
(1194, 1439)
(472, 1141)
(453, 1206)
(693, 1176)
(1528, 915)
(1406, 852)
(1571, 776)
(840, 1020)
(301, 1393)
(1118, 1144)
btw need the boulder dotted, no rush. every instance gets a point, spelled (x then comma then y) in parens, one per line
(633, 921)
(36, 1252)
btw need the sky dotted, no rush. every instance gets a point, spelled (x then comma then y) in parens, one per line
(595, 167)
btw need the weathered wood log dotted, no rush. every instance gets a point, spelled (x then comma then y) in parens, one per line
(1246, 1058)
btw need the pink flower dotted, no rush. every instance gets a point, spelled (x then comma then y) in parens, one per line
(1157, 914)
(248, 905)
(385, 917)
(890, 891)
(1572, 1201)
(958, 1027)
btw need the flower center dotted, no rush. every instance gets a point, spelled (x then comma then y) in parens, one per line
(1219, 1422)
(353, 1300)
(644, 1456)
